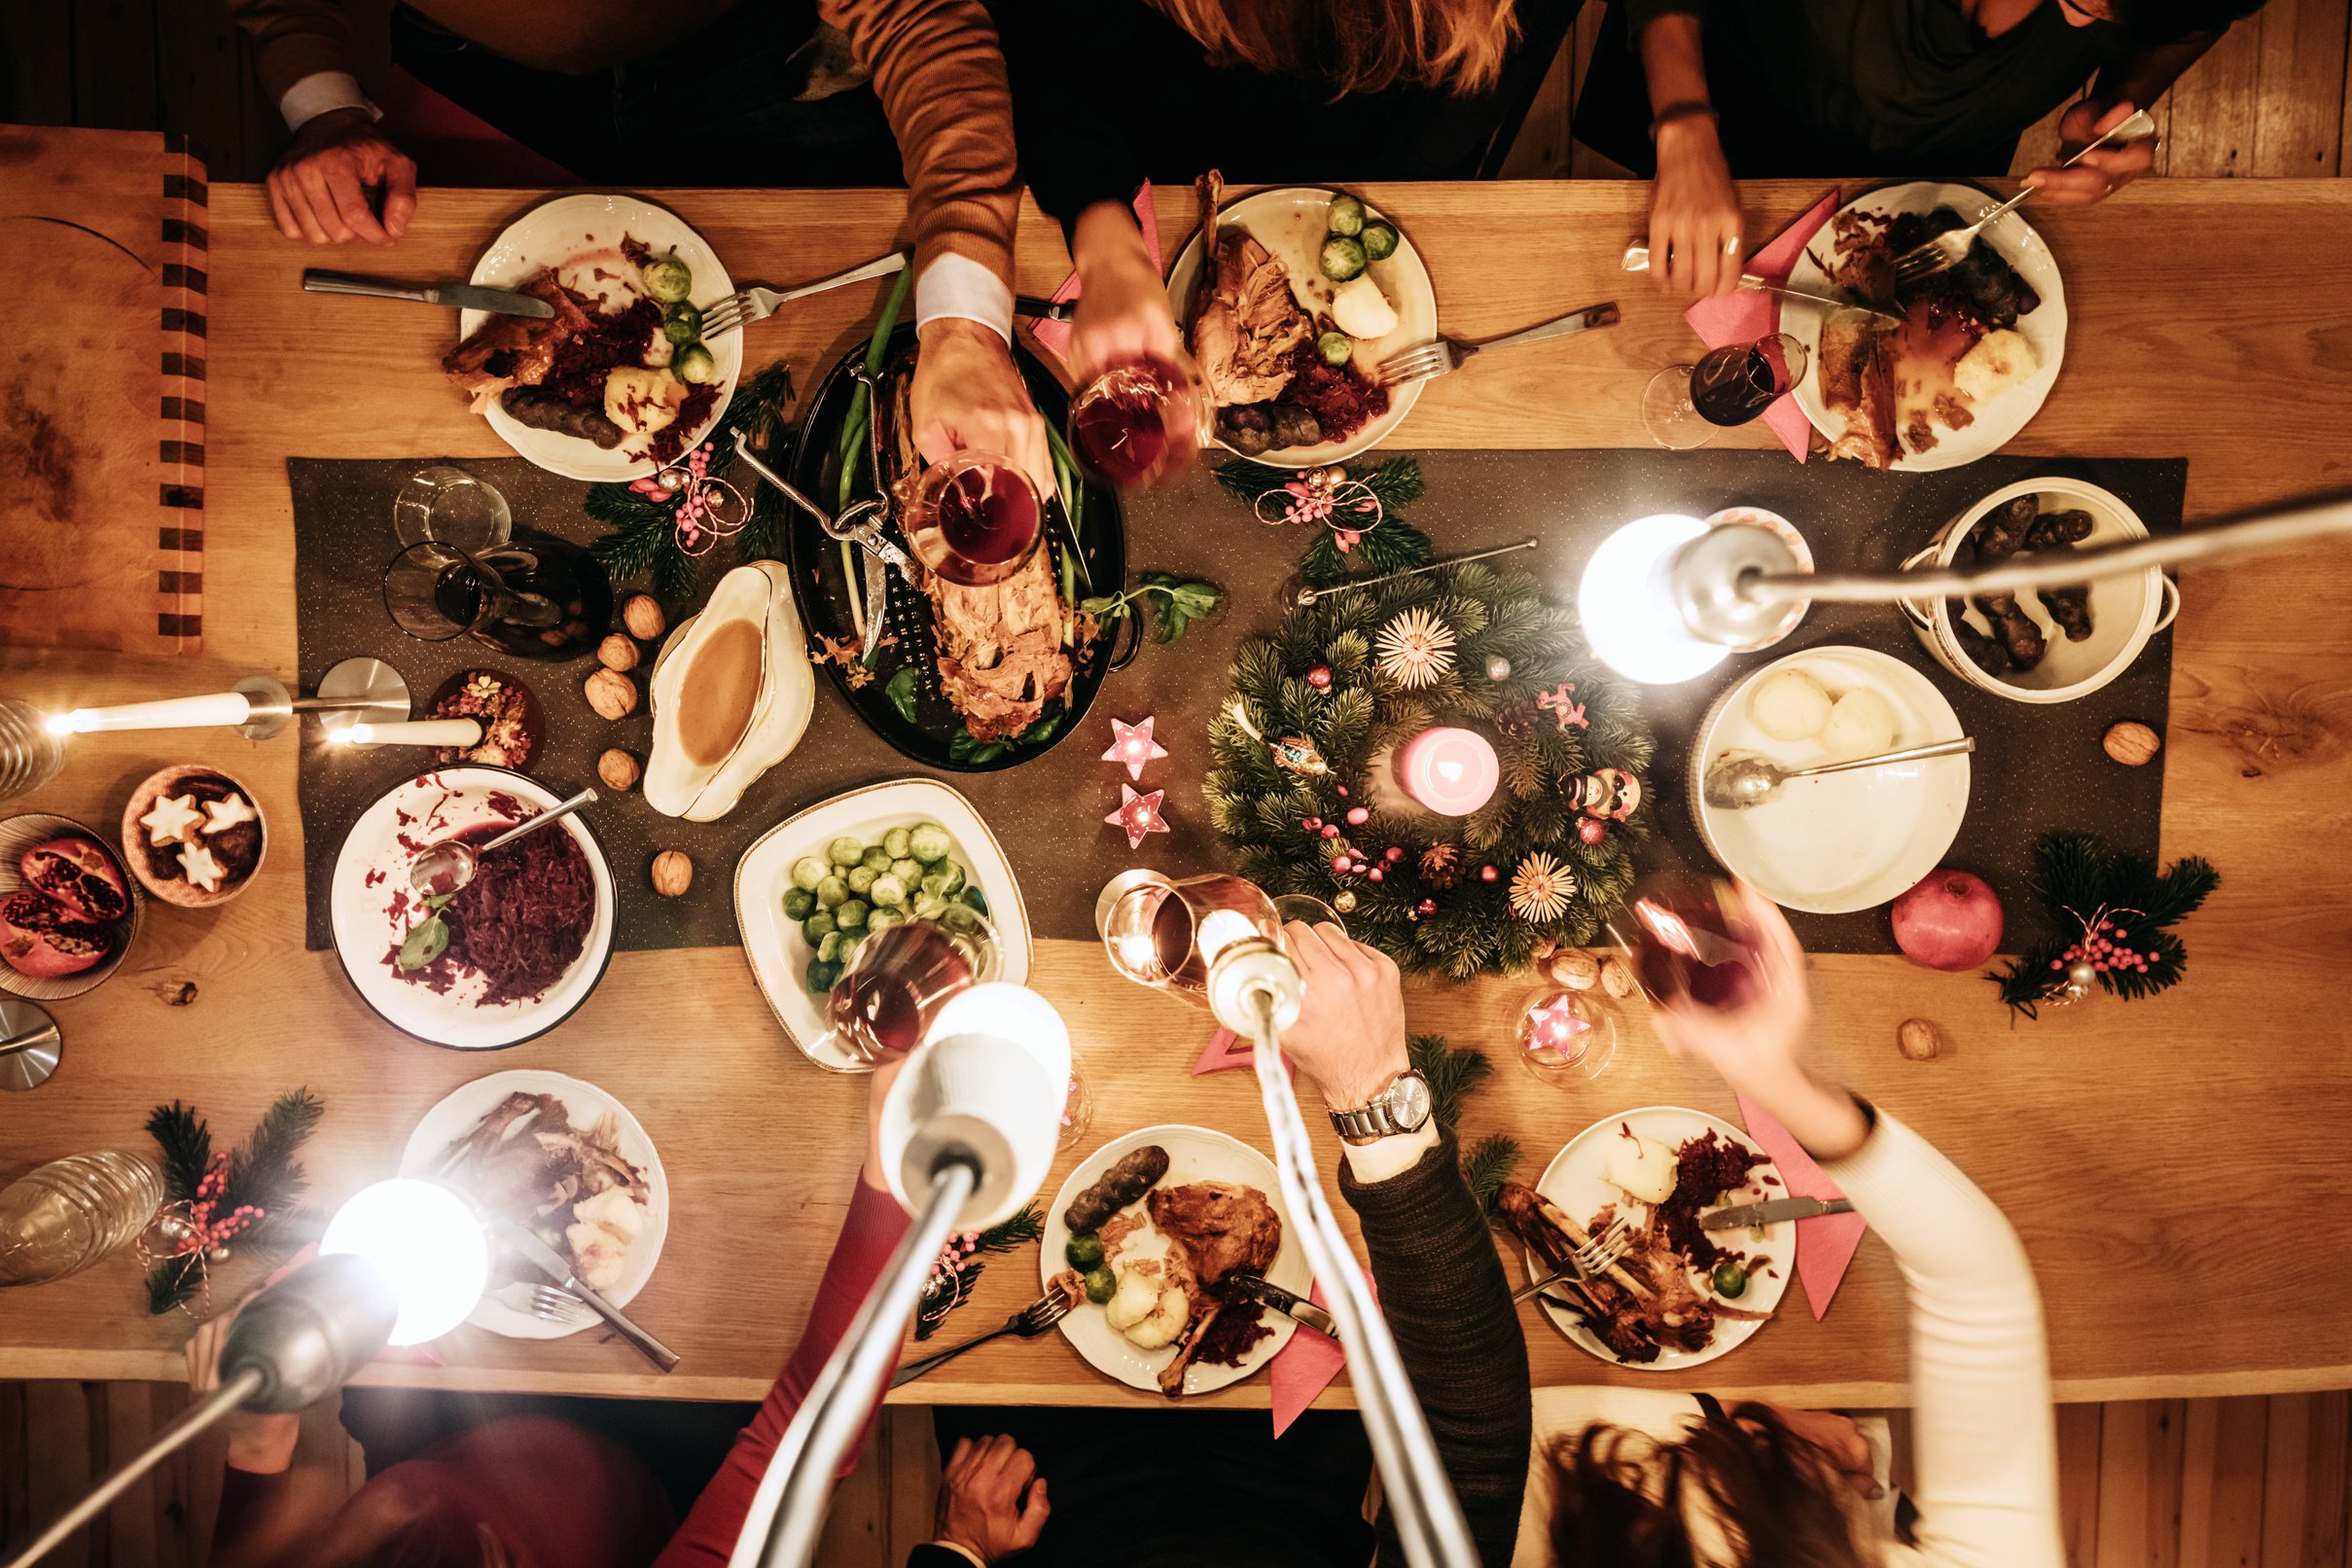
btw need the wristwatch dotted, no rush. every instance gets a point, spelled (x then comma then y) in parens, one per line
(1404, 1106)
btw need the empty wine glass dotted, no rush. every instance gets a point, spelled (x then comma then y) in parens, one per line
(1305, 909)
(448, 504)
(975, 518)
(534, 596)
(1685, 405)
(1140, 420)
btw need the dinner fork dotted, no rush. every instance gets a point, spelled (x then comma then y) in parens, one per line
(559, 1306)
(1446, 355)
(1942, 252)
(1596, 1256)
(1029, 1322)
(749, 305)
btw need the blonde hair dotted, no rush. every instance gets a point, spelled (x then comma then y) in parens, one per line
(1357, 45)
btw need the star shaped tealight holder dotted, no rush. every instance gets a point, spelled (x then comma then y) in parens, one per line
(1138, 814)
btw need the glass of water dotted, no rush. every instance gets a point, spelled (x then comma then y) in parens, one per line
(450, 505)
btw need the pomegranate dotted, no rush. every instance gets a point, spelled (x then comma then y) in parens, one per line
(1951, 921)
(79, 875)
(40, 940)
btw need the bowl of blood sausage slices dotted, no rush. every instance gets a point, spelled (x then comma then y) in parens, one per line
(194, 837)
(68, 910)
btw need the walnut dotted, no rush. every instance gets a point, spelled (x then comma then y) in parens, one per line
(642, 614)
(1918, 1040)
(618, 768)
(613, 695)
(673, 874)
(2132, 744)
(1617, 978)
(617, 653)
(1574, 970)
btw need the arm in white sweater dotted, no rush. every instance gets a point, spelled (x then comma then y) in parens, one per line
(1987, 1438)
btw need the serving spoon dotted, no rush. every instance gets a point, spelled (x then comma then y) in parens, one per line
(1739, 782)
(452, 864)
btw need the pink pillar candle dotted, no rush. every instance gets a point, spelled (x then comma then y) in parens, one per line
(1450, 771)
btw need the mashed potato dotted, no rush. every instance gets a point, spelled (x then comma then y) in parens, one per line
(2002, 361)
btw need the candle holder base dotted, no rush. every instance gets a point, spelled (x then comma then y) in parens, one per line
(31, 1046)
(359, 690)
(270, 709)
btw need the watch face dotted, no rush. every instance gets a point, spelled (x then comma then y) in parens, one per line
(1408, 1101)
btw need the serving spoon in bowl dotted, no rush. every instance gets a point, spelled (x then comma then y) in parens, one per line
(1739, 782)
(451, 865)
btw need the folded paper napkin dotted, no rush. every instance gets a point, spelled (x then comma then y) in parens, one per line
(1744, 316)
(1225, 1051)
(1054, 337)
(1826, 1243)
(1303, 1369)
(423, 1355)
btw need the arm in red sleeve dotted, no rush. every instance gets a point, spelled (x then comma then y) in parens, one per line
(869, 1234)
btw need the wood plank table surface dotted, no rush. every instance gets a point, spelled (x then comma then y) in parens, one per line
(2174, 1165)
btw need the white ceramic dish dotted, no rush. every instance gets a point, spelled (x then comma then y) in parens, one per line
(1840, 842)
(20, 832)
(372, 866)
(1998, 422)
(1290, 221)
(463, 1108)
(779, 954)
(576, 235)
(1574, 1181)
(2125, 612)
(1195, 1154)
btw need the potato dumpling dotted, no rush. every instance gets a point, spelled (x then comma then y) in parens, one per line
(1163, 1323)
(1790, 707)
(1862, 723)
(1132, 1301)
(1644, 1167)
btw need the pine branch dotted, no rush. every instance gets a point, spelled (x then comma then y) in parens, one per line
(1023, 1228)
(1452, 1072)
(1491, 1163)
(173, 1283)
(186, 1142)
(264, 1172)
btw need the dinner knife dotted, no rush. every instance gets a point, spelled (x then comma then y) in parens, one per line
(453, 295)
(1774, 1210)
(1265, 1293)
(542, 1257)
(1637, 259)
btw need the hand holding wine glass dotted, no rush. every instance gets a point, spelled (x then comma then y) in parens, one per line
(1350, 1033)
(1123, 307)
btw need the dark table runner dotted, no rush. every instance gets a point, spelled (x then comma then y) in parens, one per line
(2035, 768)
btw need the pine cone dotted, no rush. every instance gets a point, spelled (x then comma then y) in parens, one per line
(1517, 720)
(1440, 865)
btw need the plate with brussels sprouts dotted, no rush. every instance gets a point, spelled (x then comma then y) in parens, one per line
(814, 887)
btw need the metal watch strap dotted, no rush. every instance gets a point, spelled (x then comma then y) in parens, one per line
(1367, 1123)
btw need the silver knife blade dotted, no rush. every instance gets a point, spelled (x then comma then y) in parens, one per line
(1774, 1210)
(502, 301)
(544, 1258)
(877, 601)
(1290, 1304)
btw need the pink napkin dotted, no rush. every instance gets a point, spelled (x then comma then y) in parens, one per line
(423, 1355)
(1303, 1369)
(1054, 336)
(1746, 315)
(1826, 1243)
(1225, 1051)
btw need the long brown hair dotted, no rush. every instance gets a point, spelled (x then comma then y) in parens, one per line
(1624, 1500)
(1357, 45)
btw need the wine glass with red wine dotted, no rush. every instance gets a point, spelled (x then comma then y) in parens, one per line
(975, 518)
(1139, 421)
(1685, 405)
(535, 596)
(901, 976)
(1691, 942)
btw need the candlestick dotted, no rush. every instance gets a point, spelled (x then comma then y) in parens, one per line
(1449, 771)
(459, 732)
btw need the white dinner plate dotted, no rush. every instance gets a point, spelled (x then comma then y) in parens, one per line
(371, 909)
(1574, 1181)
(577, 235)
(1839, 841)
(463, 1108)
(1998, 422)
(1195, 1154)
(1290, 221)
(780, 955)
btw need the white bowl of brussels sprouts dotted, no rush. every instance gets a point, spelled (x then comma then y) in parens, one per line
(813, 886)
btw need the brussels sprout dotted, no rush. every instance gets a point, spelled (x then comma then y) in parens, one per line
(851, 941)
(927, 905)
(807, 871)
(972, 896)
(799, 903)
(1731, 1280)
(666, 279)
(1379, 241)
(1084, 1252)
(906, 868)
(1101, 1285)
(861, 880)
(959, 916)
(928, 842)
(882, 920)
(828, 946)
(1346, 216)
(1335, 348)
(852, 914)
(695, 365)
(845, 851)
(894, 842)
(822, 974)
(889, 891)
(682, 324)
(1341, 259)
(831, 892)
(945, 877)
(877, 859)
(818, 926)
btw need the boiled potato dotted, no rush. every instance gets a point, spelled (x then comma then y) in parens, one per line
(1862, 723)
(1790, 707)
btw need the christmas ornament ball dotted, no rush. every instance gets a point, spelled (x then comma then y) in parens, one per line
(1320, 677)
(1487, 874)
(1593, 830)
(1345, 901)
(1498, 668)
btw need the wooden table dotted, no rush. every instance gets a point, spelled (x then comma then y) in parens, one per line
(2163, 1159)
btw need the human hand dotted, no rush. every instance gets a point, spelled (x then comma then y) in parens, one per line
(1123, 307)
(1350, 1033)
(320, 190)
(260, 1443)
(968, 395)
(982, 1506)
(1696, 238)
(2102, 174)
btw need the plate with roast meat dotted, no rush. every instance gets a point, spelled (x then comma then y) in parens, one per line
(1162, 1219)
(69, 908)
(618, 382)
(961, 679)
(1304, 291)
(1679, 1296)
(1976, 348)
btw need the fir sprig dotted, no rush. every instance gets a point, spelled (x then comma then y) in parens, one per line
(643, 537)
(1028, 1226)
(186, 1142)
(1451, 1072)
(1391, 544)
(1490, 1163)
(2079, 881)
(264, 1173)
